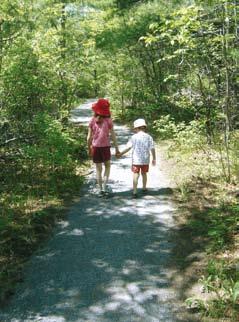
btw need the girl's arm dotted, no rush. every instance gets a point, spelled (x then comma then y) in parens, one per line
(113, 136)
(89, 140)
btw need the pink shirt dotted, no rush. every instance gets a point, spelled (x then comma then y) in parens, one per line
(101, 132)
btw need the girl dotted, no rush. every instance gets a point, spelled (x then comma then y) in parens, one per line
(98, 141)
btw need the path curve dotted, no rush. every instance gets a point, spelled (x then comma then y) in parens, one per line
(110, 260)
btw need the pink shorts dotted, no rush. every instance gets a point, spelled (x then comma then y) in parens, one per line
(143, 167)
(101, 154)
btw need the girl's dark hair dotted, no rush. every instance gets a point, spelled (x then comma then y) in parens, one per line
(103, 116)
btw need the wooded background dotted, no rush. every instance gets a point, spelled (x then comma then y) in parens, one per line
(175, 63)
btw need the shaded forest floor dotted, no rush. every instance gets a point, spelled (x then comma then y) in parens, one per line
(208, 219)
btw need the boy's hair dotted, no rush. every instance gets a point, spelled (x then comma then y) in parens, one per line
(141, 128)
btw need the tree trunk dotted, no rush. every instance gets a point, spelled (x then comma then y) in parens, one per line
(64, 89)
(226, 105)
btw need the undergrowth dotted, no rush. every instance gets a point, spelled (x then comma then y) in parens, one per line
(213, 207)
(38, 180)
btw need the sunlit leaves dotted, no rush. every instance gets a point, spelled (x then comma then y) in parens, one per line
(236, 292)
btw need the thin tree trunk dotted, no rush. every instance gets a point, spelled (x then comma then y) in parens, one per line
(207, 104)
(63, 55)
(226, 105)
(1, 45)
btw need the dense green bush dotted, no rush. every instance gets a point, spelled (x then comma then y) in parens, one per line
(165, 127)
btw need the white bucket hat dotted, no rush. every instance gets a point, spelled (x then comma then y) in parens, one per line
(139, 123)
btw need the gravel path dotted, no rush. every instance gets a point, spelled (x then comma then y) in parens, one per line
(109, 260)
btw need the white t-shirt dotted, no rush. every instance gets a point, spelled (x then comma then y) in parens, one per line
(141, 144)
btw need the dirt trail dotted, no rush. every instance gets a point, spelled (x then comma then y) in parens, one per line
(110, 259)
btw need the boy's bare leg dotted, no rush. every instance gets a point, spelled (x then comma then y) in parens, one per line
(99, 174)
(144, 178)
(106, 174)
(135, 182)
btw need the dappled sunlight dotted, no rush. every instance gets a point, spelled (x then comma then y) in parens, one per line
(106, 264)
(77, 232)
(116, 231)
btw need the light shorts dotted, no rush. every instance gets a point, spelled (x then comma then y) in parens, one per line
(101, 154)
(143, 167)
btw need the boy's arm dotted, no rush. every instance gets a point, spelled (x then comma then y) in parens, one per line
(153, 156)
(125, 151)
(129, 145)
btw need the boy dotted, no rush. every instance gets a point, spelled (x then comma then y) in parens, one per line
(141, 144)
(98, 141)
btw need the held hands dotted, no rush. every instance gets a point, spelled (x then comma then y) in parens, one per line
(117, 153)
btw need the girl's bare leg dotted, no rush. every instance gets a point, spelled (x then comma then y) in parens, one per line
(99, 174)
(135, 182)
(106, 174)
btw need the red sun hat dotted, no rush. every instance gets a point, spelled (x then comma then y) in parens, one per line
(102, 107)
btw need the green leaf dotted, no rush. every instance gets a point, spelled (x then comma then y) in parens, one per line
(235, 292)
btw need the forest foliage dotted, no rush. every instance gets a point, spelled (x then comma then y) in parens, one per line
(174, 62)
